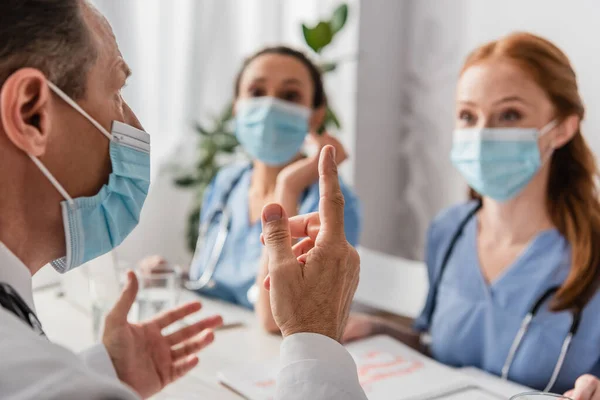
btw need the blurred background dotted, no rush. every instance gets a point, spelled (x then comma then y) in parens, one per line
(392, 90)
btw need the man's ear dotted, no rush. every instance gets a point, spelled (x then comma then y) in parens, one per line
(24, 110)
(317, 118)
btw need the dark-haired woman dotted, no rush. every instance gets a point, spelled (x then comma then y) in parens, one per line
(279, 103)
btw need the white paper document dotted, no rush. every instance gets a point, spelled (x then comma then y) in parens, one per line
(387, 370)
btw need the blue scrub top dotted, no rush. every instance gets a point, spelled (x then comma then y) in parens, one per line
(239, 262)
(474, 323)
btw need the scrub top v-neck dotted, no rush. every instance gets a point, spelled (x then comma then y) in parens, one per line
(475, 322)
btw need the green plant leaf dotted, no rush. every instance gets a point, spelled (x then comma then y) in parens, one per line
(193, 227)
(186, 181)
(209, 145)
(227, 142)
(227, 114)
(201, 130)
(318, 37)
(327, 67)
(339, 18)
(331, 119)
(206, 161)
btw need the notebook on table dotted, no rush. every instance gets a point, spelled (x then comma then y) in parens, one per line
(387, 370)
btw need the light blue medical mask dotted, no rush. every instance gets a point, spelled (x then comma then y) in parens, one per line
(498, 162)
(271, 130)
(96, 225)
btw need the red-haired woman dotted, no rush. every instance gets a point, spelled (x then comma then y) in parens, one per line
(514, 272)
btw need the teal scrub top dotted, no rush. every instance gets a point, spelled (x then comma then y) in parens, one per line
(474, 323)
(238, 264)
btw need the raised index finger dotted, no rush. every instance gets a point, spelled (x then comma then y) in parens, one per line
(331, 204)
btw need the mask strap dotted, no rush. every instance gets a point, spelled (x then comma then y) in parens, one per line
(41, 166)
(549, 126)
(78, 108)
(51, 178)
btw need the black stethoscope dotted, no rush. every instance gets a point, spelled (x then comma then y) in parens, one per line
(526, 321)
(11, 301)
(206, 279)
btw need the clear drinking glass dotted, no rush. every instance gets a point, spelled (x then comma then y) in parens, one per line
(160, 288)
(539, 396)
(106, 278)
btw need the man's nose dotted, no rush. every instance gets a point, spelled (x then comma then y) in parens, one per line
(130, 117)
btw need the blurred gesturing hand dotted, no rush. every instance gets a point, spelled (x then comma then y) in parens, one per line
(145, 359)
(587, 387)
(312, 283)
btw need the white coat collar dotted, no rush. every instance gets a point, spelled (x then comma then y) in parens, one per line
(16, 274)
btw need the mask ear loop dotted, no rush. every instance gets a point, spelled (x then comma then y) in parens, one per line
(77, 108)
(51, 178)
(549, 126)
(546, 129)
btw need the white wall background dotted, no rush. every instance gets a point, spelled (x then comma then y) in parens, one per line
(574, 26)
(411, 53)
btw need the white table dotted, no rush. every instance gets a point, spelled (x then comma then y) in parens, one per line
(387, 283)
(70, 326)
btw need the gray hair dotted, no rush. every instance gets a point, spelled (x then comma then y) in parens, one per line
(48, 35)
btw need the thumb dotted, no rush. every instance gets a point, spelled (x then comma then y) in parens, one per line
(276, 233)
(585, 386)
(125, 301)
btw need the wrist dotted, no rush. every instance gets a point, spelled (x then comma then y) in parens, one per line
(378, 326)
(331, 333)
(285, 190)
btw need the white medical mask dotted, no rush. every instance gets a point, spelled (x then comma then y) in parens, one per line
(96, 225)
(499, 162)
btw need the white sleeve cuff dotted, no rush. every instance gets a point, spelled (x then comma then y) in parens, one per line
(309, 358)
(98, 360)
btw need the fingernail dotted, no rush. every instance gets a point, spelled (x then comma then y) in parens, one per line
(273, 212)
(333, 153)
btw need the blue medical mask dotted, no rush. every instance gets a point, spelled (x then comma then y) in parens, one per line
(96, 225)
(498, 162)
(271, 130)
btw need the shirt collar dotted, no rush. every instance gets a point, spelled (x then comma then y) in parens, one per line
(16, 274)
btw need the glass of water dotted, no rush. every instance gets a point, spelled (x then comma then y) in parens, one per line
(159, 290)
(539, 396)
(106, 278)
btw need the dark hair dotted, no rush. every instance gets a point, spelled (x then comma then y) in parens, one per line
(48, 35)
(319, 98)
